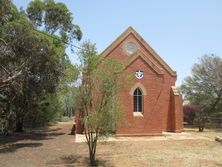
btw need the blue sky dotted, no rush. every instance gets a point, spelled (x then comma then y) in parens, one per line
(179, 31)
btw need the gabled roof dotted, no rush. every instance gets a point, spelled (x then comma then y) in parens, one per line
(148, 61)
(124, 35)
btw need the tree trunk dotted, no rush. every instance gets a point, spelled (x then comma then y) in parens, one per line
(92, 143)
(19, 125)
(92, 159)
(201, 121)
(201, 128)
(7, 117)
(201, 125)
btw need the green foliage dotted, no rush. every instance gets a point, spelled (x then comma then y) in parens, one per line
(66, 88)
(34, 69)
(204, 87)
(47, 110)
(64, 119)
(97, 97)
(8, 12)
(88, 57)
(55, 18)
(107, 82)
(35, 12)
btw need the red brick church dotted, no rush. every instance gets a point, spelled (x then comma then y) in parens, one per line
(152, 103)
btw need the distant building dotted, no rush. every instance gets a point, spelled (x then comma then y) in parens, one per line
(152, 103)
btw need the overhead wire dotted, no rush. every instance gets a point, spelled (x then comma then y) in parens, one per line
(52, 36)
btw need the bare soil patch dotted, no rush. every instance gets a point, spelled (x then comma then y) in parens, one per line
(54, 147)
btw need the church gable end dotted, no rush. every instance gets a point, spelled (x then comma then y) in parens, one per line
(129, 43)
(150, 100)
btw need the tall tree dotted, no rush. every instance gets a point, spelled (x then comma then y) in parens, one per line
(97, 97)
(204, 87)
(54, 18)
(32, 60)
(67, 87)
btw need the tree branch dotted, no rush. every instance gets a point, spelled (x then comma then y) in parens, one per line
(5, 69)
(15, 75)
(11, 78)
(3, 41)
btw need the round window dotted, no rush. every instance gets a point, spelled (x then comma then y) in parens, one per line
(131, 48)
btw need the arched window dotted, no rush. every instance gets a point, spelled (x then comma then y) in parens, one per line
(137, 100)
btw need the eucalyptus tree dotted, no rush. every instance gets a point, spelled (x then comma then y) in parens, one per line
(204, 87)
(33, 56)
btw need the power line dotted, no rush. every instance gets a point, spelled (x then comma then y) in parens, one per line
(51, 36)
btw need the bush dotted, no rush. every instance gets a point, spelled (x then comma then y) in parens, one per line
(189, 113)
(193, 114)
(47, 111)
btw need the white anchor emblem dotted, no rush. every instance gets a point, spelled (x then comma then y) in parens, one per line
(139, 74)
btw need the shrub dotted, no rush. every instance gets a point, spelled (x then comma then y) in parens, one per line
(189, 113)
(193, 114)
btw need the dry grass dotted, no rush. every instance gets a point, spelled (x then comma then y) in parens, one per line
(54, 147)
(208, 132)
(165, 153)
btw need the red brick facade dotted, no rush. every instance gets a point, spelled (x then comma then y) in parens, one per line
(162, 103)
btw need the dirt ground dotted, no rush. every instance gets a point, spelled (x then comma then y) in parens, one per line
(54, 147)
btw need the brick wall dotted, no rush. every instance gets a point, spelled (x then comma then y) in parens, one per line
(162, 110)
(158, 112)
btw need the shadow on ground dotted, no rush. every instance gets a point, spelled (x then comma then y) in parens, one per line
(36, 135)
(15, 141)
(76, 160)
(14, 147)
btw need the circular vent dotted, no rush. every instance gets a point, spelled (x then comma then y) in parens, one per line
(131, 48)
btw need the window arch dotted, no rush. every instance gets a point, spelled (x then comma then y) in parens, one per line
(137, 100)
